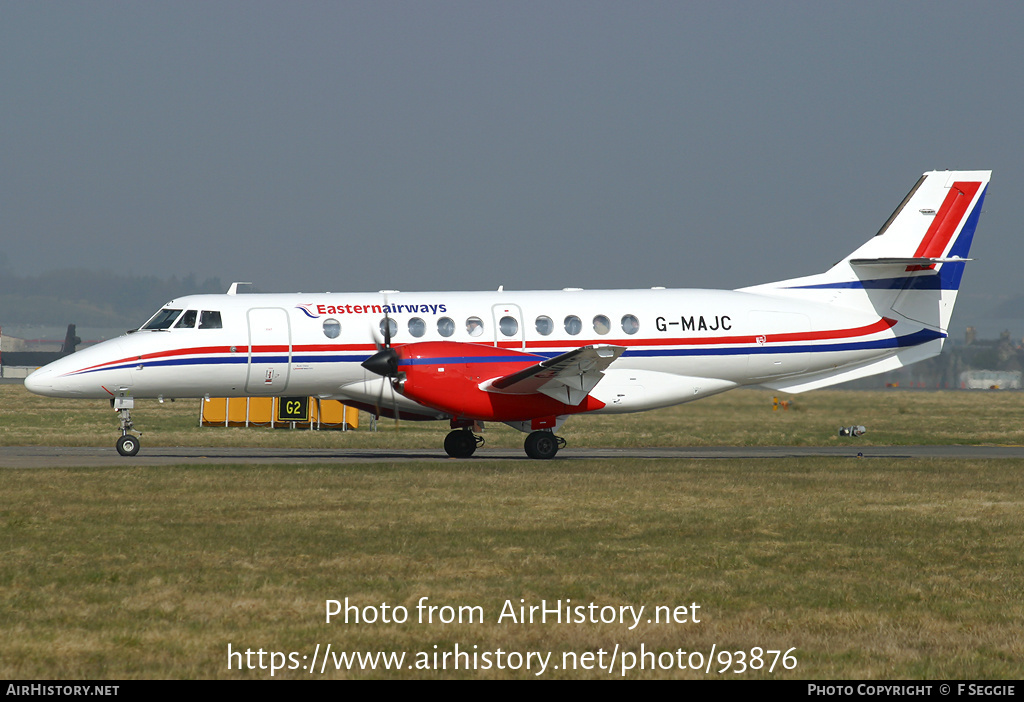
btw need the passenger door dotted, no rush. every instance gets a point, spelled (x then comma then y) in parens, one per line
(270, 351)
(508, 318)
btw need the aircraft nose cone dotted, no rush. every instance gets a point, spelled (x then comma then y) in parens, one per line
(384, 362)
(40, 381)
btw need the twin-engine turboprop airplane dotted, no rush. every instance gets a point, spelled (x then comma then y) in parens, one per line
(533, 359)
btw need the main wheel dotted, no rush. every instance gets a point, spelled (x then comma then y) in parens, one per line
(460, 443)
(541, 444)
(128, 445)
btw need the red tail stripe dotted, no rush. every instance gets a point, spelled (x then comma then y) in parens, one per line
(946, 221)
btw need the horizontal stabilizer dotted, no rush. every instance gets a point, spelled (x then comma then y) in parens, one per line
(910, 261)
(567, 378)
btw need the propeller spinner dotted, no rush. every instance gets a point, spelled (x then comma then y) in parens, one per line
(385, 361)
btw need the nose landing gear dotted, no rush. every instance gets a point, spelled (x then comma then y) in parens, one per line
(128, 443)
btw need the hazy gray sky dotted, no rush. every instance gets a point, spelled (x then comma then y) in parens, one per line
(461, 145)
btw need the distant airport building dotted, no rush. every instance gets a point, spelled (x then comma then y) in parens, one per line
(18, 357)
(990, 380)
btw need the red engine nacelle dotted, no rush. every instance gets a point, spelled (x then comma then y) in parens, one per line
(447, 375)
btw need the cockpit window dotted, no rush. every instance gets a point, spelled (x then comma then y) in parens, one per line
(210, 319)
(162, 319)
(187, 321)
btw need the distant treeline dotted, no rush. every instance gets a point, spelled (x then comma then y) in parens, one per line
(91, 298)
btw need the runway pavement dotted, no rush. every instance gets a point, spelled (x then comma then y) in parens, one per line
(72, 457)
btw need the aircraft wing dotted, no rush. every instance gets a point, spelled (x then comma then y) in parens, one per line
(568, 378)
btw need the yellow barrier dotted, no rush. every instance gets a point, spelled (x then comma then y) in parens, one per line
(278, 412)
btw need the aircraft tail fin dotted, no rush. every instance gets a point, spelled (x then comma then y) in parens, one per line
(913, 266)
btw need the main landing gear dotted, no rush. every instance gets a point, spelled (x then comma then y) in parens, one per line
(543, 444)
(128, 443)
(462, 443)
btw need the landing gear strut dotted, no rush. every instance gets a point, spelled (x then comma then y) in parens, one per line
(462, 443)
(543, 444)
(128, 443)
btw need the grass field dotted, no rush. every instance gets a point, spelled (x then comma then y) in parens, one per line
(865, 568)
(741, 418)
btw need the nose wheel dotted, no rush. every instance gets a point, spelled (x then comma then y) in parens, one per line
(128, 445)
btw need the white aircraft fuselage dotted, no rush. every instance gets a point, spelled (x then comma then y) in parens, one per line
(686, 344)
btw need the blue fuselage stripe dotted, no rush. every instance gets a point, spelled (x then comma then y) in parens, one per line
(921, 337)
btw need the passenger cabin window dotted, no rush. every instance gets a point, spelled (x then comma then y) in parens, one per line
(509, 326)
(602, 325)
(162, 319)
(417, 327)
(573, 325)
(210, 319)
(630, 324)
(545, 325)
(446, 326)
(392, 327)
(475, 326)
(332, 328)
(188, 320)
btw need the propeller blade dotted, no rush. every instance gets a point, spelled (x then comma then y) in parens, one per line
(380, 400)
(385, 328)
(394, 404)
(384, 362)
